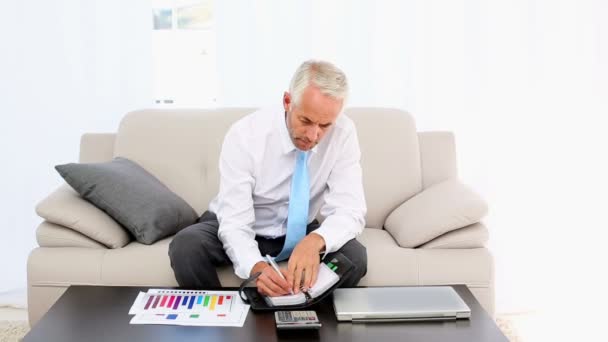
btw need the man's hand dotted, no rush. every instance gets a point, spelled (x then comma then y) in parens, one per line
(305, 260)
(269, 283)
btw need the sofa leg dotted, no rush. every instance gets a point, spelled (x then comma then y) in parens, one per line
(40, 299)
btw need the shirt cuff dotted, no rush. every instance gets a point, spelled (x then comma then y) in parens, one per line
(243, 270)
(330, 241)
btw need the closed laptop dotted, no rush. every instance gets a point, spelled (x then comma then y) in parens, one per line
(386, 304)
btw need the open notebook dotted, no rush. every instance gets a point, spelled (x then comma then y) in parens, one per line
(326, 278)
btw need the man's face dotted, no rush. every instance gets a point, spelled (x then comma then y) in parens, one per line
(308, 122)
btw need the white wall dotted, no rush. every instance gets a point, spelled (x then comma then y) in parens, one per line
(67, 67)
(522, 84)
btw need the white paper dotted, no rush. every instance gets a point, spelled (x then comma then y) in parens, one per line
(137, 305)
(326, 278)
(294, 299)
(189, 307)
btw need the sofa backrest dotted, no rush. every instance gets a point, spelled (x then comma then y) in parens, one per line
(181, 147)
(390, 159)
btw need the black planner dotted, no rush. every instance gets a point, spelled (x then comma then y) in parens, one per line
(339, 265)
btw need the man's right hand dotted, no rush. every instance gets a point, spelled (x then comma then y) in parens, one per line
(269, 283)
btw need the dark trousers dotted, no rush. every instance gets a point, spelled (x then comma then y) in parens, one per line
(196, 251)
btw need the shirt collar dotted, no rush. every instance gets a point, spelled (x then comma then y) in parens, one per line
(288, 145)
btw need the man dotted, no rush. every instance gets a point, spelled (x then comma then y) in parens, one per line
(278, 169)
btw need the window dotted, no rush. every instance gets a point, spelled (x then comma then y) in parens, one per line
(184, 53)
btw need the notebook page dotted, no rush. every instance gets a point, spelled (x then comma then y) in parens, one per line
(286, 300)
(326, 278)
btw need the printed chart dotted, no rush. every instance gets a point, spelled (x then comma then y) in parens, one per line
(189, 307)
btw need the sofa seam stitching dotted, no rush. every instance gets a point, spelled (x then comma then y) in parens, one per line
(456, 241)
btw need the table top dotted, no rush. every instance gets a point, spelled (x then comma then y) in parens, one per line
(100, 313)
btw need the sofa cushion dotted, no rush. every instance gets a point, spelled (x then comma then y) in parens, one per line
(473, 236)
(390, 159)
(52, 235)
(441, 208)
(132, 196)
(387, 263)
(66, 208)
(437, 157)
(391, 265)
(179, 147)
(96, 147)
(149, 265)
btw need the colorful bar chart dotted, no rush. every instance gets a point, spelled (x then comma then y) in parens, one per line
(182, 307)
(195, 302)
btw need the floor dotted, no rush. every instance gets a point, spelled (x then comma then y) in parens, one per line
(9, 314)
(555, 325)
(13, 324)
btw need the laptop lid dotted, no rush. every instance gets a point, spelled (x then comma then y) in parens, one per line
(399, 304)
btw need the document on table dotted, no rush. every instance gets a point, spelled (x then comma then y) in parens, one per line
(189, 307)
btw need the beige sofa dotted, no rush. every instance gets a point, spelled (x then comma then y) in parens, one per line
(415, 203)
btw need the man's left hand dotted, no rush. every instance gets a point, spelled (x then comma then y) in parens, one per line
(304, 262)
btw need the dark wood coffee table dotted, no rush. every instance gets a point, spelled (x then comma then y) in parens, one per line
(96, 313)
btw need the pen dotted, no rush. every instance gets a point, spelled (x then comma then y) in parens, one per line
(276, 268)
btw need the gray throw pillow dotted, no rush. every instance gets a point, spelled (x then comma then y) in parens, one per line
(132, 196)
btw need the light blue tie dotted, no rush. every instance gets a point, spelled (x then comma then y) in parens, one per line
(297, 216)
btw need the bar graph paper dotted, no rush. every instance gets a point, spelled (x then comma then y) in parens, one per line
(189, 307)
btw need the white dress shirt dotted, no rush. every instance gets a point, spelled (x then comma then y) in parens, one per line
(256, 164)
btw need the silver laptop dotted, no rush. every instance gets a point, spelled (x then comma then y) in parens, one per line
(387, 304)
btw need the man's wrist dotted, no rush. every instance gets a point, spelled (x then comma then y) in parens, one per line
(319, 241)
(258, 267)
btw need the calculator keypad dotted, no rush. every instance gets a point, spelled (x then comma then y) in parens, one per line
(297, 316)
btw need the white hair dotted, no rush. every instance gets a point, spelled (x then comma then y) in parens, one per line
(330, 80)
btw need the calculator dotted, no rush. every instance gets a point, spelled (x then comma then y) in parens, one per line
(297, 320)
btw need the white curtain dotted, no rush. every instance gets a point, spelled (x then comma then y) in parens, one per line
(66, 67)
(521, 83)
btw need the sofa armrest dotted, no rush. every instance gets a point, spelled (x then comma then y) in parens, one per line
(473, 236)
(441, 208)
(66, 208)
